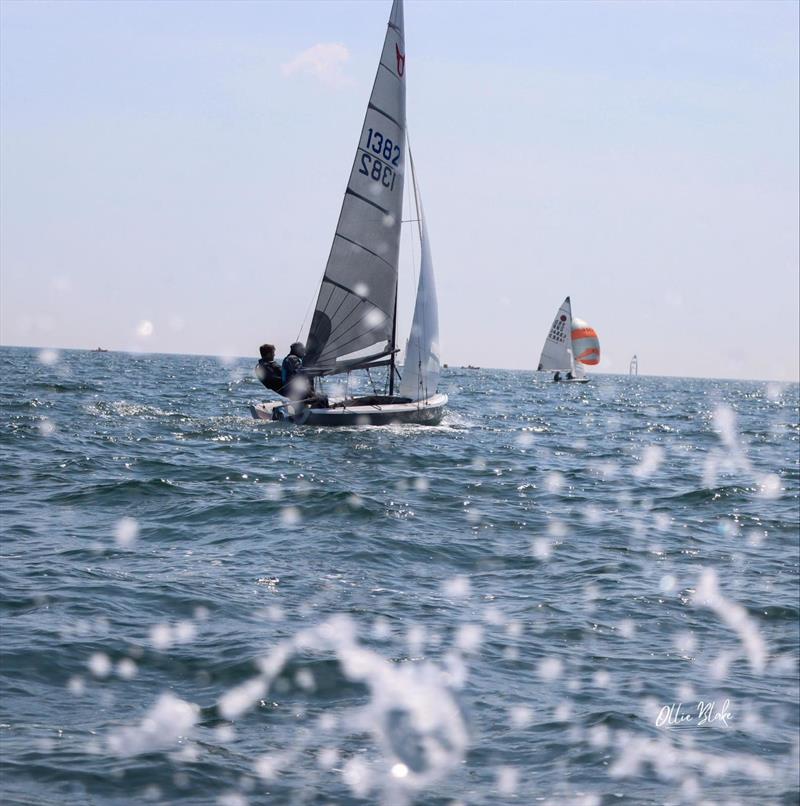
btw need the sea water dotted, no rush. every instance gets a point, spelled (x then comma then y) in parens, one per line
(562, 594)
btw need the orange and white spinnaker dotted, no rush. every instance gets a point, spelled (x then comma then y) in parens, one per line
(585, 344)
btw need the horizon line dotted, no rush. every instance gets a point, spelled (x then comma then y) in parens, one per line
(230, 357)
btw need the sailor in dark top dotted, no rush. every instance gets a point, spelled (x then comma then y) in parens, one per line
(296, 384)
(268, 370)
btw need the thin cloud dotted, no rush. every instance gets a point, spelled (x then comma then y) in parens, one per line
(324, 62)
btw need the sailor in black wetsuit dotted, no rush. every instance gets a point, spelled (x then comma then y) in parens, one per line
(267, 369)
(296, 384)
(295, 381)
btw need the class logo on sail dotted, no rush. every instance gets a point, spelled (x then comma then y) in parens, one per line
(401, 60)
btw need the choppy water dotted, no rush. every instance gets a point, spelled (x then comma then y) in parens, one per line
(200, 608)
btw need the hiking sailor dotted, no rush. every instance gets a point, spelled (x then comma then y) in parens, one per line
(295, 382)
(268, 370)
(297, 385)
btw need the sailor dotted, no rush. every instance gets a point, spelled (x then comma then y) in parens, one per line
(556, 377)
(268, 370)
(569, 375)
(295, 382)
(297, 385)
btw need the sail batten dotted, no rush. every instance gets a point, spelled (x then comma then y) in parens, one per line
(384, 113)
(360, 246)
(358, 196)
(362, 264)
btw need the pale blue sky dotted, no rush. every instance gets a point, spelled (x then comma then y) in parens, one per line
(159, 165)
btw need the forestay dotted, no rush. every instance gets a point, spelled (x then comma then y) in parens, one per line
(355, 308)
(422, 364)
(557, 353)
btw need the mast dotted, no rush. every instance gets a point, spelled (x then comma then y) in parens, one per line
(358, 293)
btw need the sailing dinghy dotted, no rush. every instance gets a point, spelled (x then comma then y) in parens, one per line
(354, 326)
(570, 344)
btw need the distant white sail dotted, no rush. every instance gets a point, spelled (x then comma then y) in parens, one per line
(355, 309)
(557, 350)
(422, 365)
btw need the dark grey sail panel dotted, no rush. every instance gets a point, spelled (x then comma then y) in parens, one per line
(355, 307)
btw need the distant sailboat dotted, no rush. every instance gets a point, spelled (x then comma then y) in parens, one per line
(355, 318)
(570, 344)
(633, 369)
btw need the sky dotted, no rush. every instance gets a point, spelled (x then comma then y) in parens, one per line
(171, 174)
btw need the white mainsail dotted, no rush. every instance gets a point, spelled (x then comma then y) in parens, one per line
(355, 309)
(557, 350)
(422, 365)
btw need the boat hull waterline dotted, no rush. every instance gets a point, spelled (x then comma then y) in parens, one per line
(419, 412)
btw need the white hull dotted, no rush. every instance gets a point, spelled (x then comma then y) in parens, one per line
(420, 412)
(568, 380)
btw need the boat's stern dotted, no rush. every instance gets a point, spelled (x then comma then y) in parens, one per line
(280, 411)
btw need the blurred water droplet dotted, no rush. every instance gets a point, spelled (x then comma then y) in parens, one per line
(273, 492)
(232, 799)
(652, 457)
(524, 440)
(507, 780)
(667, 583)
(126, 530)
(554, 482)
(126, 669)
(48, 357)
(542, 548)
(770, 486)
(399, 770)
(169, 719)
(549, 669)
(144, 328)
(457, 587)
(357, 776)
(100, 665)
(290, 516)
(327, 757)
(161, 636)
(521, 716)
(468, 637)
(375, 318)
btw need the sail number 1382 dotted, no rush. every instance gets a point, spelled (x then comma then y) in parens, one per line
(380, 170)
